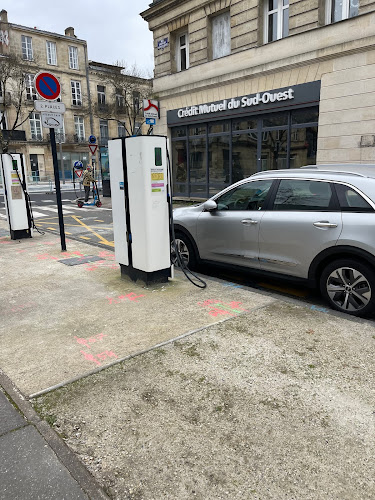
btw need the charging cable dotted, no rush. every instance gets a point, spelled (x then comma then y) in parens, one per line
(200, 282)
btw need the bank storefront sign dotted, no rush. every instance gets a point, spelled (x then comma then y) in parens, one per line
(272, 100)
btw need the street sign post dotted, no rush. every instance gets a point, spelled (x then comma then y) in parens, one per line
(48, 87)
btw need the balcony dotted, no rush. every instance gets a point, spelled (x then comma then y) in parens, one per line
(103, 141)
(37, 137)
(79, 139)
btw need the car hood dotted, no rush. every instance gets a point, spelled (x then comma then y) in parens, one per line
(183, 212)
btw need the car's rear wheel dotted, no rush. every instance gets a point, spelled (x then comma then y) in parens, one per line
(185, 250)
(349, 286)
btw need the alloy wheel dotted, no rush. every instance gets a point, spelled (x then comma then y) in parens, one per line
(182, 250)
(348, 289)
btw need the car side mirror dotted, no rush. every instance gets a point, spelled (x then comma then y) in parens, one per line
(209, 205)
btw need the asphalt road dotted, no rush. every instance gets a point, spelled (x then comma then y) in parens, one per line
(90, 223)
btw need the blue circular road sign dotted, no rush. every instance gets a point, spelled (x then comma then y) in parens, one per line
(78, 164)
(47, 86)
(92, 139)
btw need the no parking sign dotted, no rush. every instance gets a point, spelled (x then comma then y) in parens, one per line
(47, 86)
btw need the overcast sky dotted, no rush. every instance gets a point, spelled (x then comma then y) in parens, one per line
(113, 29)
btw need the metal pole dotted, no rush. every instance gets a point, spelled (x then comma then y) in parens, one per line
(58, 191)
(61, 160)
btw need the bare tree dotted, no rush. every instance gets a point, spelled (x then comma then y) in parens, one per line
(14, 73)
(128, 87)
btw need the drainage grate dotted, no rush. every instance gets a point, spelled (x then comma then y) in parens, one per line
(76, 261)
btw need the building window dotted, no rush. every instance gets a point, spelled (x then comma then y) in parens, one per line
(36, 127)
(337, 10)
(30, 87)
(101, 95)
(73, 58)
(220, 26)
(121, 130)
(276, 18)
(60, 133)
(138, 128)
(51, 53)
(120, 99)
(136, 102)
(76, 93)
(182, 55)
(27, 48)
(103, 126)
(79, 127)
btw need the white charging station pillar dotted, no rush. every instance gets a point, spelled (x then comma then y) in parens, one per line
(16, 204)
(140, 208)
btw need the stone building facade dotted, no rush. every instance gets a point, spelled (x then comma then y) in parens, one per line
(247, 85)
(66, 57)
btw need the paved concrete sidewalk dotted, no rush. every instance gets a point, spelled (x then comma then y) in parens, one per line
(34, 462)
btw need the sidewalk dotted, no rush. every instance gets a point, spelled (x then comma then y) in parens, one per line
(34, 462)
(171, 392)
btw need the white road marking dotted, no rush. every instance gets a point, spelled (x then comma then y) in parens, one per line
(37, 215)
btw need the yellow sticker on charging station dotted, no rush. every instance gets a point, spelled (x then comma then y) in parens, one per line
(15, 179)
(157, 176)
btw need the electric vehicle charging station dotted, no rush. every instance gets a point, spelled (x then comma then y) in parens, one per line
(16, 201)
(140, 207)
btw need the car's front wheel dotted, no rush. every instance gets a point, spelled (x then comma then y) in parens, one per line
(185, 250)
(349, 286)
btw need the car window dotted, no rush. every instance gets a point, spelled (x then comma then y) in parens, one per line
(295, 194)
(351, 201)
(249, 196)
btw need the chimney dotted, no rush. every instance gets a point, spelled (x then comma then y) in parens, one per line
(70, 32)
(4, 16)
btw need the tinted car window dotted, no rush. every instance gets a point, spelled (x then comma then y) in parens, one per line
(249, 196)
(351, 201)
(303, 195)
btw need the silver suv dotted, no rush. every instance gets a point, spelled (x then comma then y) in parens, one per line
(315, 223)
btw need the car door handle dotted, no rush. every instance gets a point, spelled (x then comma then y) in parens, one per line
(249, 221)
(324, 224)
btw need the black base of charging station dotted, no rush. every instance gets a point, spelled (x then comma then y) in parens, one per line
(160, 276)
(18, 234)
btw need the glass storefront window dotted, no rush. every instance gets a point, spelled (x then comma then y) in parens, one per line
(303, 146)
(197, 160)
(198, 191)
(179, 154)
(282, 140)
(218, 159)
(305, 115)
(197, 130)
(178, 131)
(217, 127)
(244, 155)
(245, 124)
(275, 120)
(274, 149)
